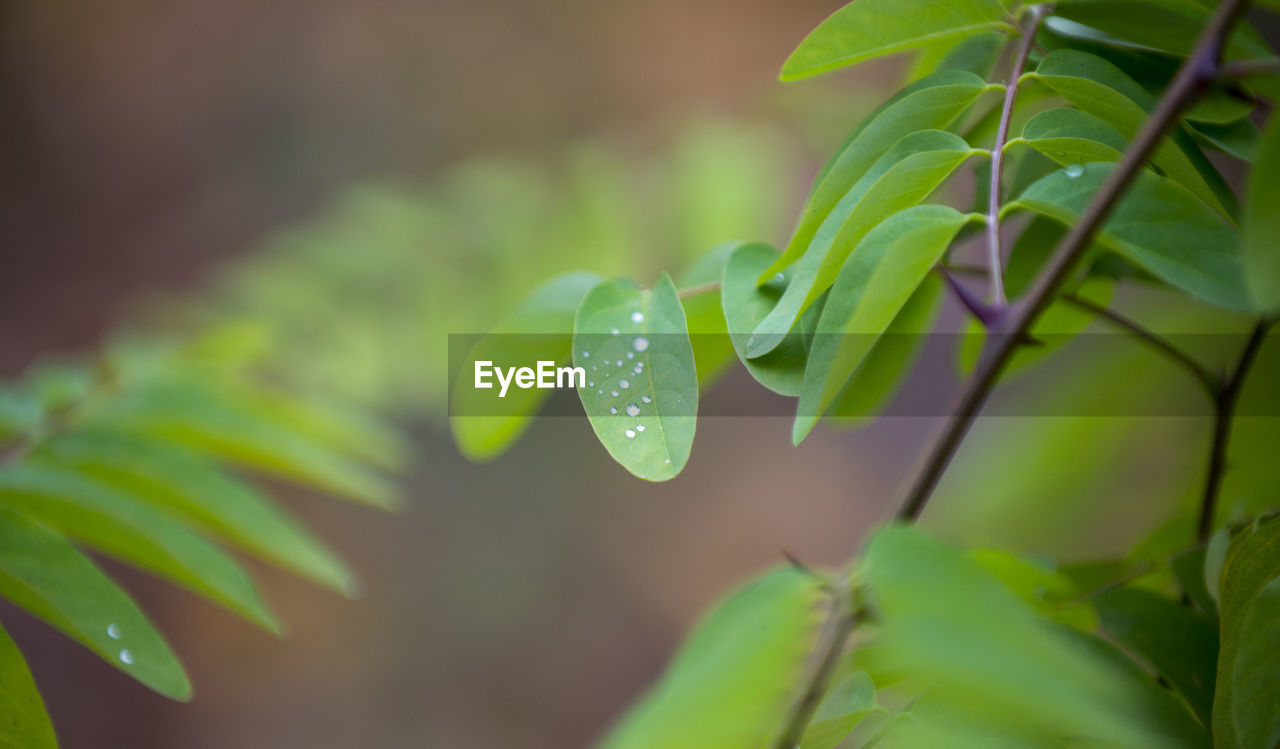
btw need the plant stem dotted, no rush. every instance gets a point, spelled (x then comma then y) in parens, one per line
(699, 289)
(1199, 69)
(840, 624)
(1224, 412)
(994, 262)
(1246, 68)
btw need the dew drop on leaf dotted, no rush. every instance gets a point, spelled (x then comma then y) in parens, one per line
(624, 384)
(641, 343)
(637, 317)
(631, 433)
(646, 399)
(113, 631)
(1074, 170)
(633, 410)
(639, 427)
(126, 657)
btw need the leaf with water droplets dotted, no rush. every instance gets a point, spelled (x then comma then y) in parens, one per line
(1158, 225)
(1262, 223)
(540, 328)
(26, 724)
(736, 674)
(875, 283)
(643, 338)
(866, 29)
(121, 526)
(45, 575)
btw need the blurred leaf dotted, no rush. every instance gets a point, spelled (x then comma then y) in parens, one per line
(1180, 644)
(120, 526)
(26, 724)
(905, 175)
(539, 329)
(880, 276)
(1188, 567)
(1106, 92)
(45, 575)
(735, 677)
(181, 482)
(1246, 707)
(865, 29)
(634, 344)
(934, 102)
(1158, 225)
(1168, 25)
(841, 710)
(1262, 223)
(746, 304)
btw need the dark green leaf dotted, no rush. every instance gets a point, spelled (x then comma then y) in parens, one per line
(1188, 567)
(1168, 25)
(1262, 223)
(634, 345)
(865, 29)
(44, 574)
(1240, 139)
(737, 673)
(25, 724)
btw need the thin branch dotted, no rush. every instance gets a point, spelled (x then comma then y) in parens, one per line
(840, 624)
(994, 262)
(702, 288)
(1192, 79)
(1228, 396)
(1246, 68)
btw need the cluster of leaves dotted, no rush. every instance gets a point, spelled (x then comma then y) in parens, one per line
(954, 648)
(138, 456)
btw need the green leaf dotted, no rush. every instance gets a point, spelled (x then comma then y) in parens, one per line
(736, 675)
(1106, 92)
(978, 54)
(934, 102)
(905, 175)
(1180, 644)
(634, 345)
(1071, 136)
(1158, 225)
(26, 724)
(1262, 224)
(841, 710)
(884, 369)
(213, 419)
(746, 304)
(708, 331)
(1240, 139)
(539, 329)
(1189, 568)
(120, 526)
(44, 574)
(1167, 25)
(880, 276)
(1246, 706)
(865, 29)
(181, 482)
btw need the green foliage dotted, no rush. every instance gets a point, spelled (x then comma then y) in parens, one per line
(1262, 224)
(26, 724)
(136, 457)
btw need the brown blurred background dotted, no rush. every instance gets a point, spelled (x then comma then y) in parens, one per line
(147, 144)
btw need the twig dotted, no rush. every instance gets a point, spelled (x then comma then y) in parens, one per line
(1196, 73)
(1246, 68)
(840, 624)
(994, 263)
(702, 288)
(1224, 412)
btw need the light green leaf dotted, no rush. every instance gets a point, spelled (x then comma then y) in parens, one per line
(119, 525)
(841, 710)
(977, 54)
(1262, 224)
(539, 329)
(880, 276)
(708, 331)
(736, 675)
(634, 345)
(1166, 25)
(884, 369)
(42, 573)
(1158, 225)
(865, 29)
(1246, 706)
(1106, 92)
(26, 724)
(1180, 644)
(183, 483)
(746, 304)
(932, 103)
(1222, 106)
(905, 175)
(1071, 136)
(215, 420)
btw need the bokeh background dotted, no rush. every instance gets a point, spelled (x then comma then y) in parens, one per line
(366, 178)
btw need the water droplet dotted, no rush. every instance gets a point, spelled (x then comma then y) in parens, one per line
(615, 331)
(646, 399)
(599, 392)
(591, 384)
(126, 656)
(751, 341)
(639, 427)
(1074, 170)
(113, 631)
(618, 363)
(623, 384)
(637, 317)
(631, 354)
(586, 354)
(613, 409)
(633, 410)
(668, 460)
(641, 343)
(631, 433)
(614, 393)
(778, 276)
